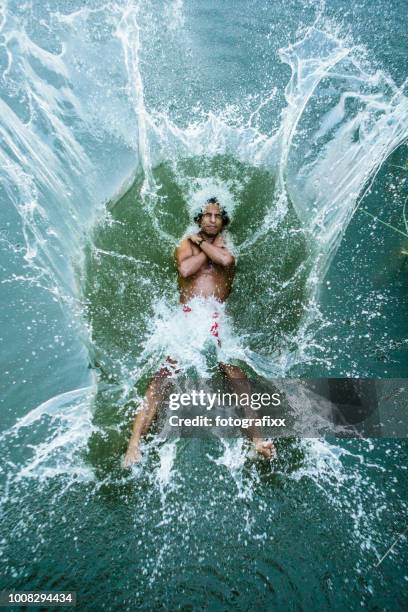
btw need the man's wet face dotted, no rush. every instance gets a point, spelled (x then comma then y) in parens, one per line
(211, 221)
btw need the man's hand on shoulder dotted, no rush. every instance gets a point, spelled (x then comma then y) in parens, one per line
(219, 241)
(198, 240)
(195, 239)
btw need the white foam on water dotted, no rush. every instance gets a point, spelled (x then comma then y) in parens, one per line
(67, 429)
(186, 332)
(202, 189)
(175, 12)
(163, 476)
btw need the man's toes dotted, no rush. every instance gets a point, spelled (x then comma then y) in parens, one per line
(131, 458)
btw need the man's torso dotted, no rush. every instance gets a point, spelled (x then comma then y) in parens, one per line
(211, 280)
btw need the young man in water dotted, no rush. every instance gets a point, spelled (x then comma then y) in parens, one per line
(205, 270)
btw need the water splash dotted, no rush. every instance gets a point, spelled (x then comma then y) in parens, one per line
(77, 133)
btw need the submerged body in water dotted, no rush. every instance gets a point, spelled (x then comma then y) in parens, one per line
(206, 270)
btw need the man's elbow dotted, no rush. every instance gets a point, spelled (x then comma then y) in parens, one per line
(184, 271)
(228, 260)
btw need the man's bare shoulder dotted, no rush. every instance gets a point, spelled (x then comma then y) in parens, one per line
(184, 245)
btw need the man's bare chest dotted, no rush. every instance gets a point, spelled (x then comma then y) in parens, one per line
(208, 267)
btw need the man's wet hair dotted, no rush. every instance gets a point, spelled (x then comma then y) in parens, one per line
(225, 217)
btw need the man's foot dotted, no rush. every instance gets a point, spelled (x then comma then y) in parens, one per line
(265, 448)
(133, 455)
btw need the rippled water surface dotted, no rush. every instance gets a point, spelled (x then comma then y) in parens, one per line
(117, 120)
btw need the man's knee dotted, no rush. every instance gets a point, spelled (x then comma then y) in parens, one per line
(167, 370)
(232, 371)
(164, 372)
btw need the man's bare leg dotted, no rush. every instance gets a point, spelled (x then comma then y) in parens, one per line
(241, 385)
(154, 396)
